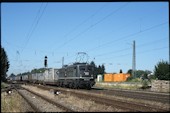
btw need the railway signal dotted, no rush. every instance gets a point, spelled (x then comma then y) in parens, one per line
(45, 61)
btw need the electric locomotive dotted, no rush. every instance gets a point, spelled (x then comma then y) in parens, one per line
(77, 75)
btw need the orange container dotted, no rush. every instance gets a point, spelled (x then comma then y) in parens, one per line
(126, 76)
(108, 77)
(120, 77)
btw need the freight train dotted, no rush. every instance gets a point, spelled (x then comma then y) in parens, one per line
(77, 75)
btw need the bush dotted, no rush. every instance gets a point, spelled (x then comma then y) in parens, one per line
(145, 83)
(129, 78)
(162, 70)
(132, 79)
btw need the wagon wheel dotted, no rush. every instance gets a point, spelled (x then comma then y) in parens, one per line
(74, 85)
(44, 83)
(60, 84)
(70, 85)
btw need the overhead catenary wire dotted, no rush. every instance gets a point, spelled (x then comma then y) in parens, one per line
(87, 29)
(125, 49)
(107, 33)
(33, 29)
(147, 28)
(51, 52)
(94, 25)
(35, 26)
(32, 26)
(140, 52)
(141, 45)
(84, 21)
(99, 54)
(79, 24)
(31, 49)
(127, 36)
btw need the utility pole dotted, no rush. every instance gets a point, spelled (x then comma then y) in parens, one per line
(134, 61)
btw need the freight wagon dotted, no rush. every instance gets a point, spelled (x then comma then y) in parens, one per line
(77, 75)
(25, 78)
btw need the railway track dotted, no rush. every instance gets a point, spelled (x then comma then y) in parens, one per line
(41, 99)
(150, 96)
(29, 102)
(128, 106)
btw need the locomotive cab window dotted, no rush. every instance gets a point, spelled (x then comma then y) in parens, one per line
(85, 71)
(82, 68)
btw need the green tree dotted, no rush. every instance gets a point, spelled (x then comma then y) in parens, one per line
(103, 69)
(161, 70)
(95, 68)
(139, 73)
(98, 70)
(130, 78)
(148, 72)
(129, 72)
(40, 70)
(12, 75)
(4, 64)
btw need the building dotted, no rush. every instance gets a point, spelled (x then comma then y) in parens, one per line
(99, 78)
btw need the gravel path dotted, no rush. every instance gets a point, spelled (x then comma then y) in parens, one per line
(41, 104)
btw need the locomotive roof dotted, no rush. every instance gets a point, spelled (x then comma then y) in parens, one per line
(75, 64)
(78, 63)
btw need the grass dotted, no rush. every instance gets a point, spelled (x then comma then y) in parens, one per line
(129, 86)
(3, 85)
(11, 103)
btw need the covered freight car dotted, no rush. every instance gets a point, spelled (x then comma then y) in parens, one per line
(51, 76)
(34, 78)
(40, 78)
(25, 77)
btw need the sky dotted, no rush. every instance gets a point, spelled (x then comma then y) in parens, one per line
(102, 32)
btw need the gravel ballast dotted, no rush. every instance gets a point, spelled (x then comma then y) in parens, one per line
(77, 104)
(41, 104)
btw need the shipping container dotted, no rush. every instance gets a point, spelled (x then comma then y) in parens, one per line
(25, 77)
(30, 77)
(12, 78)
(120, 77)
(49, 75)
(108, 77)
(34, 77)
(125, 77)
(18, 77)
(40, 77)
(56, 74)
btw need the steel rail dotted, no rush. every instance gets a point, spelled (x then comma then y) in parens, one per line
(108, 101)
(28, 101)
(67, 109)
